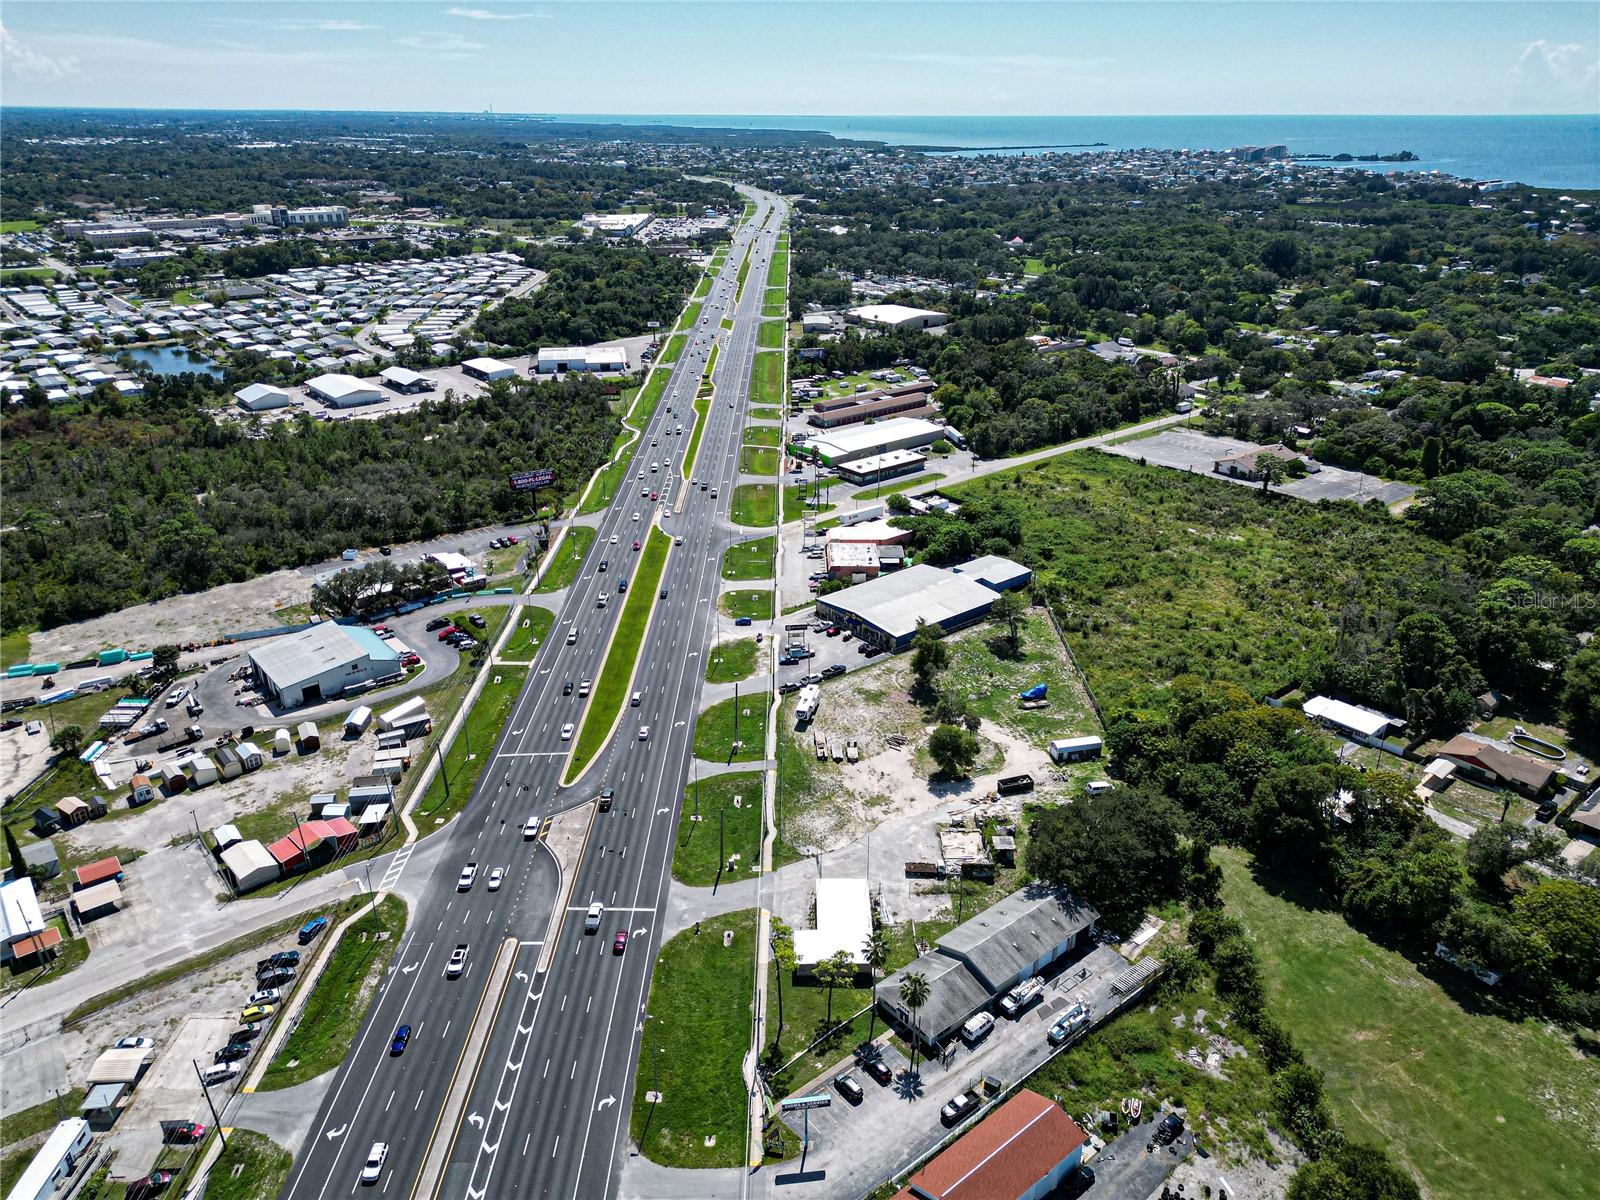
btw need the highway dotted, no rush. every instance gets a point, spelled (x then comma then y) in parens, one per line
(547, 1114)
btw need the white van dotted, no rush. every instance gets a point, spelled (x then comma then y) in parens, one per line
(977, 1028)
(1097, 787)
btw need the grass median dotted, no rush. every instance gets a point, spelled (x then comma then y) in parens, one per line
(617, 673)
(563, 568)
(464, 762)
(724, 828)
(695, 1038)
(732, 661)
(755, 504)
(775, 303)
(715, 728)
(750, 560)
(702, 406)
(331, 1017)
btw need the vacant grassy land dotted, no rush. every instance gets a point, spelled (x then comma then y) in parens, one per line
(758, 460)
(563, 569)
(18, 226)
(750, 560)
(691, 1049)
(770, 335)
(800, 499)
(765, 414)
(766, 379)
(328, 1023)
(897, 485)
(755, 603)
(755, 504)
(714, 731)
(617, 673)
(989, 673)
(265, 1166)
(1477, 1106)
(1163, 573)
(14, 645)
(469, 753)
(533, 625)
(775, 304)
(762, 435)
(697, 857)
(732, 661)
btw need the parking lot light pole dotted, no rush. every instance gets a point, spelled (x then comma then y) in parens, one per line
(216, 1121)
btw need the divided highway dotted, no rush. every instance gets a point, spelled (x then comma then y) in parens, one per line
(547, 1114)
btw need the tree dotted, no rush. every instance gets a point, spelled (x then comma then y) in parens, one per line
(1563, 918)
(1202, 884)
(953, 750)
(929, 654)
(837, 970)
(1291, 818)
(1300, 1108)
(783, 959)
(1580, 691)
(164, 659)
(1271, 470)
(914, 994)
(1009, 609)
(14, 854)
(1119, 851)
(67, 740)
(876, 951)
(1352, 1172)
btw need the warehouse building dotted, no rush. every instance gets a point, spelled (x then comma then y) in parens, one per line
(995, 573)
(259, 397)
(861, 441)
(405, 381)
(897, 316)
(885, 610)
(582, 358)
(912, 400)
(321, 663)
(982, 959)
(488, 369)
(1024, 1150)
(343, 391)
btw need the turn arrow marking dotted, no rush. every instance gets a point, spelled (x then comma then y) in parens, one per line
(339, 1132)
(475, 1119)
(606, 1101)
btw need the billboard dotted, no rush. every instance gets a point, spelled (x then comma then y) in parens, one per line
(527, 481)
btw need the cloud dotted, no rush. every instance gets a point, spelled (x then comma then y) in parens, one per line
(441, 43)
(1549, 76)
(484, 14)
(30, 64)
(323, 26)
(1034, 63)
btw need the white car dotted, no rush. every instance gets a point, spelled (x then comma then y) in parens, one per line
(496, 876)
(136, 1043)
(220, 1073)
(678, 541)
(376, 1157)
(635, 516)
(177, 697)
(566, 732)
(530, 828)
(464, 881)
(265, 996)
(644, 733)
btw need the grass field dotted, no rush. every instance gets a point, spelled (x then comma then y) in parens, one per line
(762, 435)
(1477, 1106)
(263, 1168)
(533, 625)
(14, 648)
(769, 335)
(730, 661)
(713, 732)
(778, 269)
(322, 1036)
(766, 381)
(670, 349)
(755, 603)
(563, 568)
(469, 753)
(696, 859)
(691, 314)
(18, 226)
(765, 414)
(755, 504)
(750, 560)
(758, 460)
(775, 304)
(617, 673)
(897, 485)
(984, 669)
(798, 500)
(31, 274)
(1033, 266)
(697, 1035)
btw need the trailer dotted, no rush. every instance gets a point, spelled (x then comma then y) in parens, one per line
(403, 714)
(189, 736)
(1014, 785)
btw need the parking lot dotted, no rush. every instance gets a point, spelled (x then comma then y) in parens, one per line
(847, 1156)
(1197, 453)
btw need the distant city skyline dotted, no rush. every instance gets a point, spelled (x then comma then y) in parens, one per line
(1436, 57)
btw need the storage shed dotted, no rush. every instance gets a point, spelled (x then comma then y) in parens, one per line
(250, 865)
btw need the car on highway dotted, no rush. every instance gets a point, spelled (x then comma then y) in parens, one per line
(613, 539)
(620, 942)
(713, 493)
(604, 564)
(566, 688)
(635, 543)
(496, 878)
(457, 963)
(530, 829)
(585, 687)
(591, 918)
(400, 1040)
(372, 1169)
(635, 516)
(257, 1012)
(655, 495)
(608, 795)
(663, 593)
(644, 733)
(879, 1070)
(567, 731)
(220, 1073)
(622, 587)
(678, 541)
(572, 637)
(635, 700)
(958, 1109)
(468, 876)
(849, 1089)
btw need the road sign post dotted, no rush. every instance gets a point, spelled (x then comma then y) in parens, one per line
(804, 1104)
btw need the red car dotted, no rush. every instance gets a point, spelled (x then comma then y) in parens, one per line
(447, 631)
(833, 631)
(655, 496)
(511, 539)
(620, 942)
(635, 543)
(411, 659)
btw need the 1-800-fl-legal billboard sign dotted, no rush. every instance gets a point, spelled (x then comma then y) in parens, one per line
(526, 481)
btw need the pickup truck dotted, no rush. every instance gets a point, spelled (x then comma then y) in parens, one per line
(468, 874)
(457, 963)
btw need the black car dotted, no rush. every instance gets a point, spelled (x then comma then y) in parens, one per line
(833, 672)
(566, 688)
(849, 1089)
(1079, 1182)
(607, 796)
(604, 564)
(622, 587)
(1170, 1128)
(787, 660)
(879, 1070)
(785, 689)
(232, 1051)
(246, 1033)
(870, 651)
(436, 623)
(1547, 810)
(959, 1109)
(478, 620)
(275, 962)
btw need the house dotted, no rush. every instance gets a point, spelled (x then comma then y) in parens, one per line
(1351, 721)
(21, 919)
(1024, 1150)
(1247, 463)
(1482, 760)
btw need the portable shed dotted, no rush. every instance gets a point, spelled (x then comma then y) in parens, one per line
(282, 742)
(140, 791)
(229, 764)
(98, 871)
(71, 811)
(249, 755)
(199, 767)
(250, 864)
(226, 835)
(358, 720)
(308, 736)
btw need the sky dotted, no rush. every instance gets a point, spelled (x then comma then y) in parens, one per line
(817, 57)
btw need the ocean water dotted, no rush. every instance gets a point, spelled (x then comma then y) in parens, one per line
(1550, 151)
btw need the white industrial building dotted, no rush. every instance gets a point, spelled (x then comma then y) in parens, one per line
(616, 225)
(885, 610)
(582, 358)
(863, 441)
(21, 918)
(875, 468)
(344, 391)
(406, 381)
(898, 316)
(259, 397)
(321, 663)
(489, 369)
(844, 922)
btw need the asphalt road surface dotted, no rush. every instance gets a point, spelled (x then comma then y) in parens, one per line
(548, 1111)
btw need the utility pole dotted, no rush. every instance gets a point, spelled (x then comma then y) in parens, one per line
(438, 757)
(216, 1121)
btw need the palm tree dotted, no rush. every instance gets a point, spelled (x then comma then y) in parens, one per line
(876, 951)
(782, 959)
(834, 971)
(914, 994)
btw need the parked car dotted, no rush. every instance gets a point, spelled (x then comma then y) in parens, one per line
(401, 1039)
(232, 1052)
(958, 1109)
(833, 671)
(257, 1012)
(219, 1073)
(276, 962)
(879, 1070)
(742, 621)
(152, 1184)
(182, 1132)
(276, 979)
(787, 660)
(849, 1089)
(246, 1033)
(436, 623)
(785, 689)
(265, 996)
(136, 1043)
(1070, 1022)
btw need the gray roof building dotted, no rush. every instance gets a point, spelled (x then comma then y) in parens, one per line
(886, 610)
(321, 663)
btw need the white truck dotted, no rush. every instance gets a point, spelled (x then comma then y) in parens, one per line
(1016, 1001)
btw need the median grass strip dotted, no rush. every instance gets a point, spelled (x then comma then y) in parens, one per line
(778, 270)
(765, 414)
(612, 686)
(746, 715)
(755, 603)
(670, 349)
(755, 504)
(253, 1167)
(729, 812)
(533, 626)
(750, 560)
(766, 379)
(468, 755)
(702, 406)
(695, 1038)
(732, 661)
(329, 1021)
(758, 460)
(769, 335)
(569, 557)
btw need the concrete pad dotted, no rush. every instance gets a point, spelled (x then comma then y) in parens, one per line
(169, 1091)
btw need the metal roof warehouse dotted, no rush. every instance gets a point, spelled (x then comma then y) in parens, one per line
(886, 610)
(322, 662)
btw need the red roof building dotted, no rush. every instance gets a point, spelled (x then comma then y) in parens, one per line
(99, 871)
(291, 851)
(1021, 1151)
